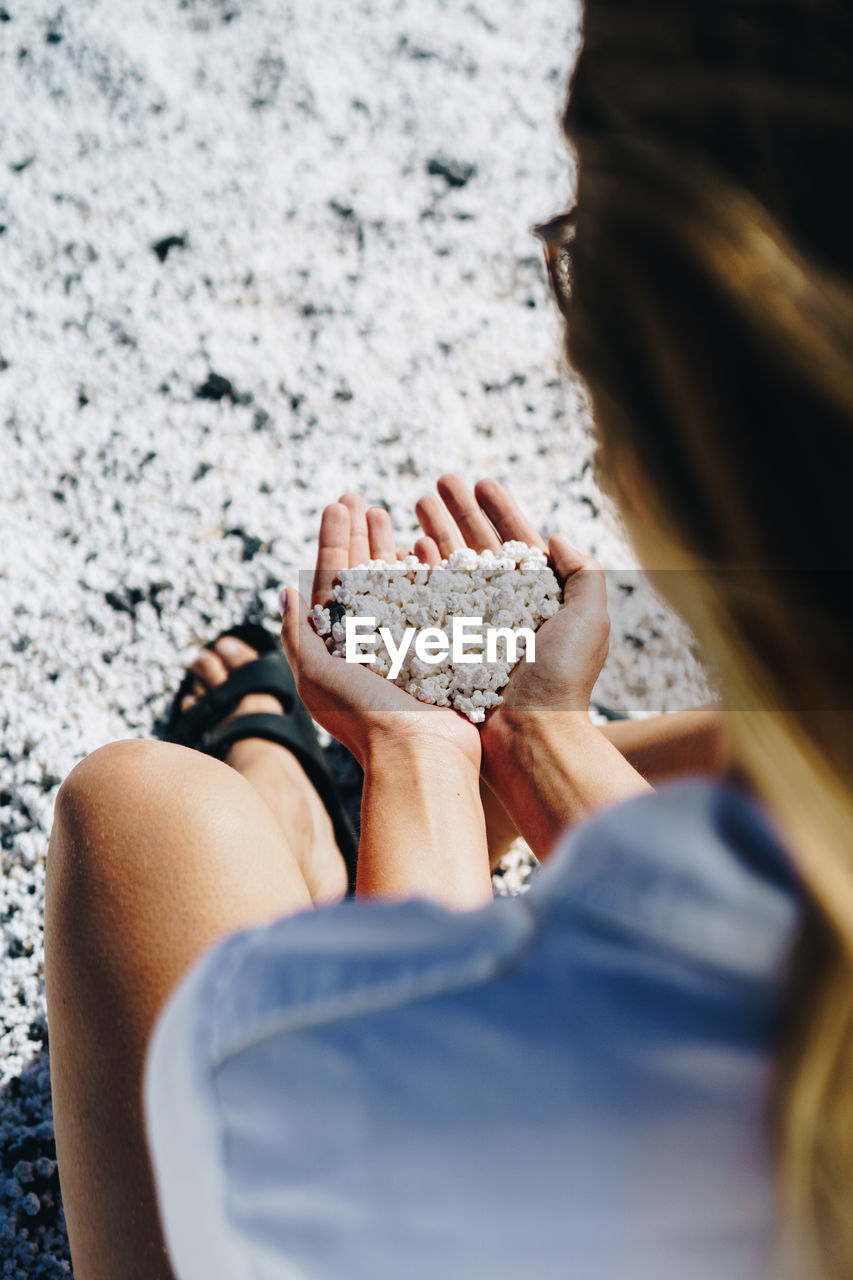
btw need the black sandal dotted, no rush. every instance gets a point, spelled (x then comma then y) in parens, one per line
(201, 729)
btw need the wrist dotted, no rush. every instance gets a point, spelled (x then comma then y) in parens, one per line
(423, 832)
(514, 736)
(414, 750)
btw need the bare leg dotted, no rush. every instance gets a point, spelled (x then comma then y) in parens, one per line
(500, 828)
(156, 853)
(277, 776)
(680, 744)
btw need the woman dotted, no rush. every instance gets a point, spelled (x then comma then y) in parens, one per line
(577, 1082)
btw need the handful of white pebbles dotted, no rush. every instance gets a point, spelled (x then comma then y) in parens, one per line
(418, 626)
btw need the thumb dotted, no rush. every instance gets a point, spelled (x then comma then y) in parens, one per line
(582, 576)
(303, 648)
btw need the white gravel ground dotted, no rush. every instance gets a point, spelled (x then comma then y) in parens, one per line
(328, 205)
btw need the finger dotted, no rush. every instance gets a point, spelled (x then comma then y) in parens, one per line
(477, 531)
(359, 541)
(505, 514)
(436, 523)
(332, 551)
(566, 559)
(426, 549)
(303, 648)
(380, 534)
(582, 576)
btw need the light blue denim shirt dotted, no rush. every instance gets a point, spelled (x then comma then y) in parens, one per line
(569, 1085)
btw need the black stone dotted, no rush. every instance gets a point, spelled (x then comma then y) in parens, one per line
(163, 247)
(127, 601)
(155, 590)
(251, 544)
(27, 1148)
(456, 173)
(215, 388)
(21, 165)
(515, 380)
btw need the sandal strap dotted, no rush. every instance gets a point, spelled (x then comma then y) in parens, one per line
(293, 731)
(267, 674)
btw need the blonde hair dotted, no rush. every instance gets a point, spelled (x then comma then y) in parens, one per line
(708, 290)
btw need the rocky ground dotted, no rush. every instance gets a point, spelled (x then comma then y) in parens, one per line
(252, 253)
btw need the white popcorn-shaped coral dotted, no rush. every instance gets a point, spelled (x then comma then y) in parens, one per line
(511, 588)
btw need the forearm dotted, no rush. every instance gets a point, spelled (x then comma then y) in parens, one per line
(671, 746)
(551, 771)
(423, 833)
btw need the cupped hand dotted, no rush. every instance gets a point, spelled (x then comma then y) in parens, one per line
(361, 708)
(570, 647)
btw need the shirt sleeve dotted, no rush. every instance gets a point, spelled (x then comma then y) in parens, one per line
(317, 968)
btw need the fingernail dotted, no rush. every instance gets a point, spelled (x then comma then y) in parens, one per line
(282, 600)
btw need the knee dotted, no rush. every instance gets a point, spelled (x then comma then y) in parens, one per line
(123, 800)
(119, 811)
(103, 785)
(120, 816)
(91, 859)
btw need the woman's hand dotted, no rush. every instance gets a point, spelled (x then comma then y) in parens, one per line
(542, 756)
(359, 707)
(423, 832)
(570, 647)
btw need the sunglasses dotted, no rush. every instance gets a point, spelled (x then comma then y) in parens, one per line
(557, 235)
